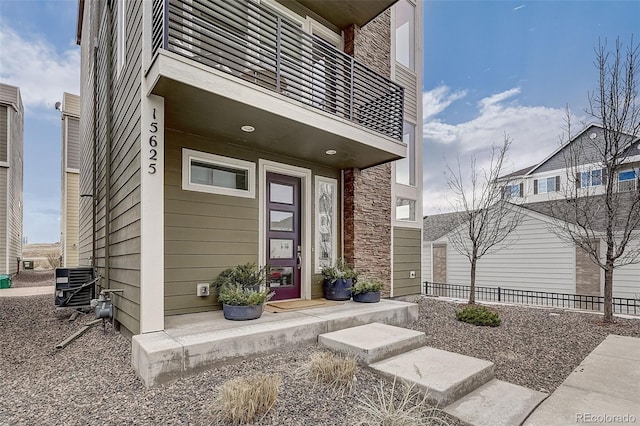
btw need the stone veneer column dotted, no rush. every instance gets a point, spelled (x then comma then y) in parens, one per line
(367, 193)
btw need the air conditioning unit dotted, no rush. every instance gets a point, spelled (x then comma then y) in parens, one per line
(75, 287)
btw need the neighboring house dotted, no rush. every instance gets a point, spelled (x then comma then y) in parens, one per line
(215, 133)
(70, 179)
(536, 258)
(548, 179)
(11, 178)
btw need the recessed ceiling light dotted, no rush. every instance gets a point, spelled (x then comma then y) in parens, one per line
(331, 152)
(247, 129)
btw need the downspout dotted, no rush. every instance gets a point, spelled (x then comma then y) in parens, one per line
(108, 113)
(94, 197)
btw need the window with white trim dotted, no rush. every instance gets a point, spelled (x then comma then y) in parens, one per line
(545, 185)
(628, 180)
(405, 34)
(513, 191)
(326, 221)
(591, 178)
(405, 209)
(204, 172)
(406, 168)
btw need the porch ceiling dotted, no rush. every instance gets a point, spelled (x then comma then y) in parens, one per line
(345, 12)
(208, 114)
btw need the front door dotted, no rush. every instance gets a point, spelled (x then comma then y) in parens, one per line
(283, 235)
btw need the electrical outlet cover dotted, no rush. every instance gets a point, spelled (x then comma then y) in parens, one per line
(202, 289)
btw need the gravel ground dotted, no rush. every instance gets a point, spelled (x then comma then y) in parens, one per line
(91, 381)
(534, 347)
(32, 278)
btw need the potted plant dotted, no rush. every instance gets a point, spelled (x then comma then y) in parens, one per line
(367, 291)
(338, 280)
(243, 292)
(241, 303)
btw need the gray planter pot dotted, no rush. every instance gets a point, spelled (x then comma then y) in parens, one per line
(337, 290)
(369, 297)
(242, 313)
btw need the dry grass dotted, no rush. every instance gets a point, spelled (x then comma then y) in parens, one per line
(245, 399)
(410, 407)
(336, 371)
(42, 255)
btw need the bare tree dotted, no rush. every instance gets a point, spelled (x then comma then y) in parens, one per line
(487, 219)
(599, 205)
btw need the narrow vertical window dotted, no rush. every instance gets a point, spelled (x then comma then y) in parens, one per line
(405, 34)
(326, 223)
(121, 34)
(406, 167)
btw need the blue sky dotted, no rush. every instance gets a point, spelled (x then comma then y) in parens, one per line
(489, 68)
(492, 67)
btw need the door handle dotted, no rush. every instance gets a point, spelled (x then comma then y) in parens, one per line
(299, 261)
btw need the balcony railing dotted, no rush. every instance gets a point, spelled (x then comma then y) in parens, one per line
(252, 42)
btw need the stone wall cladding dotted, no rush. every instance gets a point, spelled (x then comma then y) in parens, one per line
(587, 274)
(367, 193)
(440, 266)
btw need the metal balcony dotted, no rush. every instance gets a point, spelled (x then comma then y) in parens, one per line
(251, 42)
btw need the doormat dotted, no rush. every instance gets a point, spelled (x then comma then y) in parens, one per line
(296, 305)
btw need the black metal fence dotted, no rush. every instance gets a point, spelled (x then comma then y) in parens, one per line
(529, 297)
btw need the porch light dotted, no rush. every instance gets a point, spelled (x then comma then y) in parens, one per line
(331, 152)
(247, 128)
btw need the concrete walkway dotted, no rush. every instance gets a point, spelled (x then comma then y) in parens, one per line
(603, 389)
(26, 291)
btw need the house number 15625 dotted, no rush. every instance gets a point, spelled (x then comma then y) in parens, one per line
(153, 143)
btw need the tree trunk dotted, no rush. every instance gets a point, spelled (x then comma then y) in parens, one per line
(472, 289)
(608, 293)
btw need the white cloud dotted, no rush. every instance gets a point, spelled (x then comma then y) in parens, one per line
(41, 72)
(494, 100)
(437, 100)
(535, 131)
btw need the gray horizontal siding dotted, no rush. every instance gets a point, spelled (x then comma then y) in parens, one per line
(3, 134)
(73, 143)
(207, 233)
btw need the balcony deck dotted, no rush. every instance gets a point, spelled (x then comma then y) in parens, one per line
(245, 45)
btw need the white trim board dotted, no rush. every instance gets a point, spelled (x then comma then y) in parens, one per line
(306, 212)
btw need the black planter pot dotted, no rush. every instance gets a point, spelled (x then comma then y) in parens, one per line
(242, 313)
(337, 290)
(369, 297)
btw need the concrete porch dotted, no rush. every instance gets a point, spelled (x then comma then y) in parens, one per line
(192, 343)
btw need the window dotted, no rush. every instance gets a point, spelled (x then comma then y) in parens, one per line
(591, 178)
(326, 222)
(542, 186)
(218, 175)
(405, 209)
(122, 35)
(627, 180)
(513, 191)
(405, 34)
(406, 168)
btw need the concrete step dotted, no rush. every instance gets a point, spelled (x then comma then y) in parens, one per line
(445, 376)
(496, 403)
(373, 342)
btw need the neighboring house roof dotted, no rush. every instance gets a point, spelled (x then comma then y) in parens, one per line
(557, 156)
(517, 173)
(436, 226)
(554, 208)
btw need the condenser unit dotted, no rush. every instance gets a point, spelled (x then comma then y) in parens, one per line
(75, 287)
